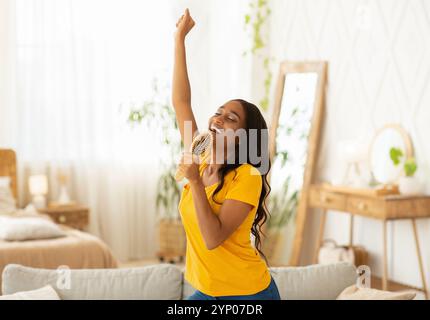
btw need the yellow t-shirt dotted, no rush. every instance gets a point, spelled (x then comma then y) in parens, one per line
(235, 266)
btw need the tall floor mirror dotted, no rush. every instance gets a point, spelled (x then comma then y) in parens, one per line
(294, 140)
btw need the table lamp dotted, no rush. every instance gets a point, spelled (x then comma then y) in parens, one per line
(353, 153)
(38, 185)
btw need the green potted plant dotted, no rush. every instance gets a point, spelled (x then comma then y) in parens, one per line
(408, 182)
(282, 206)
(282, 203)
(158, 113)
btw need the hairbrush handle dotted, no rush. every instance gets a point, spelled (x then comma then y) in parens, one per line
(199, 147)
(179, 175)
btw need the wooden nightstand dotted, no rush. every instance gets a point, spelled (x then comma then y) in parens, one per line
(75, 216)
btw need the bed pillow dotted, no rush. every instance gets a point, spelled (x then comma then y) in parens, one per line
(45, 293)
(20, 229)
(4, 182)
(7, 200)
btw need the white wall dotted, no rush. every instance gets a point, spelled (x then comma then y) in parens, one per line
(379, 72)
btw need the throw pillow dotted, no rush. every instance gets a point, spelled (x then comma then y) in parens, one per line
(45, 293)
(355, 293)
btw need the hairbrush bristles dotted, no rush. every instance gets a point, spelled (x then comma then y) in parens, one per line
(201, 146)
(201, 143)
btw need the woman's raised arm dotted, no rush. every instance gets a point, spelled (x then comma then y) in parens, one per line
(181, 91)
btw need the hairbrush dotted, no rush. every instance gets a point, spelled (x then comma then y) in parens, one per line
(201, 147)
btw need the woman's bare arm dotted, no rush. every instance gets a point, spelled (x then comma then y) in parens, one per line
(216, 229)
(181, 91)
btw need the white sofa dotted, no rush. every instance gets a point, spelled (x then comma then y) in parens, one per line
(166, 282)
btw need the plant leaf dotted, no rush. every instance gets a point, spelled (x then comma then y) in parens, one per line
(395, 155)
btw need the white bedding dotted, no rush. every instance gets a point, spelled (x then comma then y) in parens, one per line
(7, 201)
(16, 228)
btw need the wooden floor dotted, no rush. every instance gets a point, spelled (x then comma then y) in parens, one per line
(376, 283)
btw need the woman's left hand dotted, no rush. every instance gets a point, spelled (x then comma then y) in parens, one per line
(189, 166)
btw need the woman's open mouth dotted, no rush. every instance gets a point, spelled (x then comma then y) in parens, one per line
(215, 129)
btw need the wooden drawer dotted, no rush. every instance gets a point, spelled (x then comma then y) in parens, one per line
(408, 208)
(75, 217)
(325, 199)
(70, 217)
(367, 207)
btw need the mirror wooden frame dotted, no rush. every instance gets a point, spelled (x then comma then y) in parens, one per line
(319, 67)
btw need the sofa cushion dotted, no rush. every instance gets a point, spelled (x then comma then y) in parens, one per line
(158, 282)
(165, 281)
(314, 282)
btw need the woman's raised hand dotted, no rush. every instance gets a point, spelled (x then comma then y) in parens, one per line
(184, 25)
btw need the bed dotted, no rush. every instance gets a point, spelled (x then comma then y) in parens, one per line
(76, 250)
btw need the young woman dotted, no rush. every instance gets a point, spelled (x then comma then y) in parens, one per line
(223, 201)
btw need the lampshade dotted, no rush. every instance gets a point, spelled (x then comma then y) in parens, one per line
(352, 151)
(38, 184)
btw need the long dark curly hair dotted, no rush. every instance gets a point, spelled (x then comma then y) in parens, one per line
(254, 120)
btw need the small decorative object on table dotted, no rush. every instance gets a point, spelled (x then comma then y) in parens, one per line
(408, 183)
(378, 190)
(74, 216)
(63, 198)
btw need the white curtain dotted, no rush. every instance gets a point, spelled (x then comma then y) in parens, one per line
(79, 65)
(6, 71)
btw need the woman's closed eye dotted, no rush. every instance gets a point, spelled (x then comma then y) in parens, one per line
(229, 117)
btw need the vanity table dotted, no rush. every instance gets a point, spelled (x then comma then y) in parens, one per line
(383, 207)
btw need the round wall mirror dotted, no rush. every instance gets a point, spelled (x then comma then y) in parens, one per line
(391, 141)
